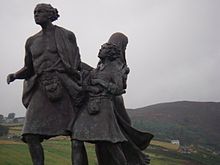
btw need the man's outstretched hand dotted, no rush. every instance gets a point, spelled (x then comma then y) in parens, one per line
(10, 78)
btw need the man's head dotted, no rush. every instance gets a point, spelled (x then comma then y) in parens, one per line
(44, 13)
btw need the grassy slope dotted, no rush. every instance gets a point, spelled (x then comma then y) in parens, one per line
(58, 152)
(166, 145)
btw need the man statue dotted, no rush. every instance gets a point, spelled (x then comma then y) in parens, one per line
(51, 82)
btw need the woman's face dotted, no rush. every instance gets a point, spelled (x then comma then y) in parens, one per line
(102, 53)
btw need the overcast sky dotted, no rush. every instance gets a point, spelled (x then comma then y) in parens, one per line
(173, 51)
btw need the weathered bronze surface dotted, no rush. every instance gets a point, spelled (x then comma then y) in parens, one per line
(51, 81)
(65, 96)
(103, 119)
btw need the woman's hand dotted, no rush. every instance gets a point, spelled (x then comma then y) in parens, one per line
(92, 89)
(99, 82)
(95, 81)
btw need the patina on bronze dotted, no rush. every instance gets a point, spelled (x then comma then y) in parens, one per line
(136, 140)
(103, 119)
(65, 96)
(51, 82)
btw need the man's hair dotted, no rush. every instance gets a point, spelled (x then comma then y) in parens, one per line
(53, 11)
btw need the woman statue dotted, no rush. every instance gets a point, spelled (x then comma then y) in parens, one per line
(136, 140)
(97, 123)
(103, 120)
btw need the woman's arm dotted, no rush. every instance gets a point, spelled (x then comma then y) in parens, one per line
(115, 86)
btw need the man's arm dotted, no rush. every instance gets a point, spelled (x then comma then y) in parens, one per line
(27, 71)
(76, 59)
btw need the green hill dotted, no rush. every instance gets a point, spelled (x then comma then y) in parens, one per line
(190, 122)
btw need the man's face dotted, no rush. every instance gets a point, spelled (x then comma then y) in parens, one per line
(41, 15)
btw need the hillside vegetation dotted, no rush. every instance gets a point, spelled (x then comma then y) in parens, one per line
(190, 122)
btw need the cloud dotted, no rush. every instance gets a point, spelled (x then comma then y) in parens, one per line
(173, 49)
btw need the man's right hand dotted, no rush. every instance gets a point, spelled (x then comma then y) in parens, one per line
(10, 78)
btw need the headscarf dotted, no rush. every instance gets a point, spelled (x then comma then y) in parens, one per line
(120, 40)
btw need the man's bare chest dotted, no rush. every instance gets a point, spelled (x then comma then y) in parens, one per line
(42, 45)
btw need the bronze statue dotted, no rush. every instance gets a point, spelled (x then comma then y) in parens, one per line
(65, 96)
(96, 122)
(103, 120)
(51, 82)
(136, 140)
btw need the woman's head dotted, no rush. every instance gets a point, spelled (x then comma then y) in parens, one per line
(121, 41)
(109, 51)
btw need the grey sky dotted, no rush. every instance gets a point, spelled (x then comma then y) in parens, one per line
(173, 50)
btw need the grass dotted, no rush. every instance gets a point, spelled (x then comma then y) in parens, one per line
(9, 142)
(12, 124)
(18, 154)
(14, 132)
(164, 160)
(14, 129)
(14, 154)
(165, 145)
(58, 151)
